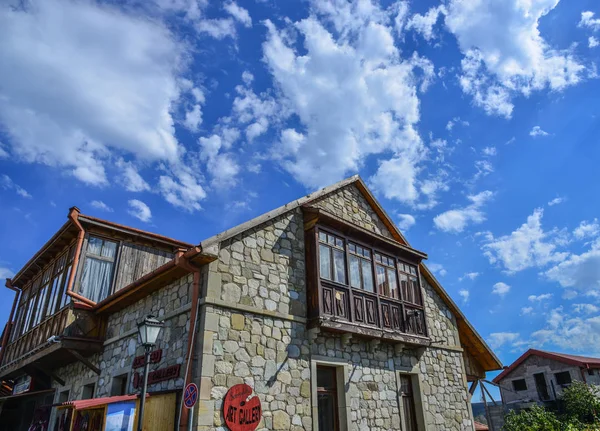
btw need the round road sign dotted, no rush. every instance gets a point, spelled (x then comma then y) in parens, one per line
(190, 395)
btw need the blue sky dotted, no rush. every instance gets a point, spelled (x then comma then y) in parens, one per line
(475, 122)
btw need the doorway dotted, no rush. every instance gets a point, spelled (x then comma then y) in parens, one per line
(327, 398)
(542, 387)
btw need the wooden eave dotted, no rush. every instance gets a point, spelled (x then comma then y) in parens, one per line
(62, 238)
(316, 215)
(134, 233)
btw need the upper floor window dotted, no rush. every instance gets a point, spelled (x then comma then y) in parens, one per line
(98, 268)
(387, 281)
(411, 292)
(361, 269)
(331, 258)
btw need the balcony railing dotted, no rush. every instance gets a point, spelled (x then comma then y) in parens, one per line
(369, 313)
(67, 323)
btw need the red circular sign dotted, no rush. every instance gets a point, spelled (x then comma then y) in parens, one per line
(241, 409)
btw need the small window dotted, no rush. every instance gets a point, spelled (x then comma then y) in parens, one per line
(519, 385)
(590, 372)
(63, 397)
(361, 272)
(563, 378)
(88, 391)
(387, 282)
(98, 268)
(411, 291)
(119, 385)
(332, 258)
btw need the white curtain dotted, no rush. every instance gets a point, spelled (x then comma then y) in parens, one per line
(95, 281)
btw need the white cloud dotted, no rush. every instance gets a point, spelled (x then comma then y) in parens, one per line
(424, 24)
(217, 28)
(505, 53)
(564, 332)
(579, 272)
(130, 177)
(3, 153)
(456, 220)
(556, 201)
(586, 308)
(77, 56)
(537, 131)
(5, 273)
(539, 298)
(593, 42)
(588, 20)
(499, 339)
(483, 168)
(220, 164)
(587, 229)
(489, 151)
(99, 205)
(437, 268)
(239, 13)
(139, 210)
(501, 288)
(525, 311)
(528, 246)
(455, 121)
(182, 189)
(354, 96)
(464, 294)
(247, 77)
(8, 184)
(469, 275)
(193, 118)
(405, 221)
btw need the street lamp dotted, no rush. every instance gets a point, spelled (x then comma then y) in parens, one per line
(148, 329)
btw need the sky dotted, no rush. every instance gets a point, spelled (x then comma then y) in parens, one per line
(474, 122)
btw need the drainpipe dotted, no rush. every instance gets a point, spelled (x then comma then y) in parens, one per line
(9, 325)
(74, 217)
(182, 260)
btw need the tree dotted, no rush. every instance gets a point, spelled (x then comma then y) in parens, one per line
(580, 404)
(534, 419)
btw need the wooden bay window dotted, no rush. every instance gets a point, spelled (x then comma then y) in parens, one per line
(96, 279)
(364, 285)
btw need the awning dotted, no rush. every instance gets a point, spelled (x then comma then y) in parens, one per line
(96, 402)
(27, 394)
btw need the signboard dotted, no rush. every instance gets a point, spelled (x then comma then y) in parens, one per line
(241, 408)
(159, 375)
(23, 384)
(155, 358)
(190, 395)
(120, 416)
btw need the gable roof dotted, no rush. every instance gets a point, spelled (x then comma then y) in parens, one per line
(469, 337)
(68, 232)
(578, 361)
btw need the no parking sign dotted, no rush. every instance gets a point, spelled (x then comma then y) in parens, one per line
(190, 395)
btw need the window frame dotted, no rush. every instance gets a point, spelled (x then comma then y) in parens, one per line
(406, 306)
(85, 254)
(361, 258)
(562, 374)
(513, 382)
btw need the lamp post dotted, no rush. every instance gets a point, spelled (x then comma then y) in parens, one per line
(148, 329)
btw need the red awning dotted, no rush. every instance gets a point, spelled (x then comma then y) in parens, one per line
(96, 402)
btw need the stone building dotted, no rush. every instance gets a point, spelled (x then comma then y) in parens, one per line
(539, 376)
(321, 307)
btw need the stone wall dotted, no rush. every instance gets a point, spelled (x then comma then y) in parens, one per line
(264, 267)
(349, 204)
(441, 323)
(534, 365)
(270, 355)
(171, 303)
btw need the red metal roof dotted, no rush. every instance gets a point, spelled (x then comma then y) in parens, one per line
(579, 361)
(97, 402)
(480, 427)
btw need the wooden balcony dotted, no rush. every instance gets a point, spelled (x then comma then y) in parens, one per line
(370, 315)
(56, 341)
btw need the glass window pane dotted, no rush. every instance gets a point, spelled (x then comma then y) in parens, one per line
(381, 285)
(339, 265)
(322, 236)
(404, 286)
(413, 270)
(377, 257)
(367, 275)
(367, 253)
(339, 243)
(326, 378)
(65, 298)
(95, 281)
(109, 249)
(416, 294)
(393, 283)
(325, 261)
(352, 247)
(94, 245)
(331, 239)
(354, 271)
